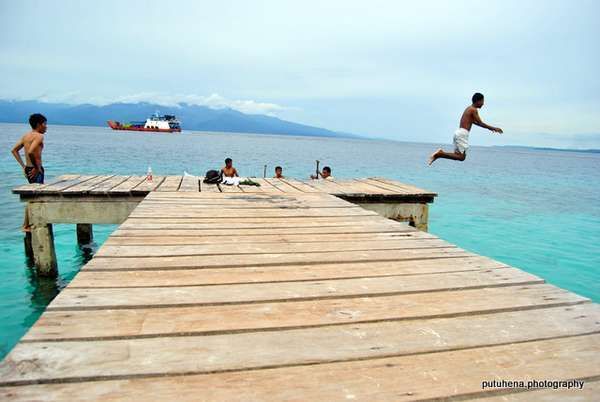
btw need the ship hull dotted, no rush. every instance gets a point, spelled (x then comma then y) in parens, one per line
(115, 125)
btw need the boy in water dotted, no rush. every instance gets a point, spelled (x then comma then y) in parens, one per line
(461, 136)
(229, 170)
(33, 142)
(325, 174)
(278, 173)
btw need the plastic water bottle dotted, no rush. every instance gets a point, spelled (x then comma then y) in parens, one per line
(149, 175)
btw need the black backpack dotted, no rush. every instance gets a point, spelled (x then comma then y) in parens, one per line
(213, 177)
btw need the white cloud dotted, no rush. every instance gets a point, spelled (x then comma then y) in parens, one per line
(213, 101)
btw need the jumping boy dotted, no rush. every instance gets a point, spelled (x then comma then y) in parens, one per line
(461, 136)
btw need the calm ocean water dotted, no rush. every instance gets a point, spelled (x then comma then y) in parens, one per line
(536, 210)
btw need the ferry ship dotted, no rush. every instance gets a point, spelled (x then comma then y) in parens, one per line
(162, 124)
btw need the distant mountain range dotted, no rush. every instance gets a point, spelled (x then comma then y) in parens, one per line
(193, 117)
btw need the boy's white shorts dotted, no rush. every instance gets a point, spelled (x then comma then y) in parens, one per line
(461, 140)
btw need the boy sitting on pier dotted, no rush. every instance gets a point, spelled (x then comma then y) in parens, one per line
(461, 136)
(229, 170)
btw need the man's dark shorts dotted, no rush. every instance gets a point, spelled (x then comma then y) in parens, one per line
(38, 178)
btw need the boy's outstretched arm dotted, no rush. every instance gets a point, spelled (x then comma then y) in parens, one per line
(478, 122)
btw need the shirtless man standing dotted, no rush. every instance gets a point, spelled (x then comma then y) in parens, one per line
(33, 142)
(461, 136)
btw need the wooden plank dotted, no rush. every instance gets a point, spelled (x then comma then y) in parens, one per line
(249, 317)
(190, 184)
(166, 209)
(386, 187)
(203, 204)
(229, 213)
(146, 186)
(338, 185)
(265, 186)
(326, 186)
(300, 221)
(231, 249)
(231, 189)
(407, 188)
(248, 224)
(77, 298)
(251, 199)
(274, 202)
(249, 196)
(168, 230)
(283, 186)
(86, 186)
(430, 376)
(57, 188)
(33, 188)
(255, 190)
(302, 186)
(364, 187)
(379, 186)
(206, 188)
(148, 356)
(171, 183)
(282, 273)
(258, 223)
(128, 185)
(106, 186)
(234, 238)
(396, 183)
(215, 261)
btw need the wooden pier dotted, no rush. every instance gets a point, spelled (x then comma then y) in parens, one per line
(87, 200)
(297, 296)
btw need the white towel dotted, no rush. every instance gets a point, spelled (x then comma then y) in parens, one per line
(231, 181)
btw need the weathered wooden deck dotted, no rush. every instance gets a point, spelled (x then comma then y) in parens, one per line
(115, 185)
(301, 297)
(86, 200)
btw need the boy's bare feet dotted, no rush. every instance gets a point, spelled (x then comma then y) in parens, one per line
(434, 156)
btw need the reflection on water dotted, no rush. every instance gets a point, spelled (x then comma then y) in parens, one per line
(87, 252)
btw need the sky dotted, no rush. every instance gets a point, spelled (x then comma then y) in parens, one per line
(401, 70)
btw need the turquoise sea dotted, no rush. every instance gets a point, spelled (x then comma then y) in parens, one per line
(538, 210)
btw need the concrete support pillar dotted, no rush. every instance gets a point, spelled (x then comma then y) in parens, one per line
(417, 215)
(420, 219)
(85, 234)
(42, 241)
(28, 246)
(44, 255)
